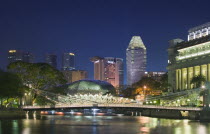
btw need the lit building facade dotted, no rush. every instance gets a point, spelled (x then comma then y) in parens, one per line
(17, 55)
(108, 69)
(135, 60)
(74, 75)
(199, 31)
(68, 61)
(51, 59)
(187, 59)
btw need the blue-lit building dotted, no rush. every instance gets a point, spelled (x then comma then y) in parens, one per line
(135, 60)
(68, 61)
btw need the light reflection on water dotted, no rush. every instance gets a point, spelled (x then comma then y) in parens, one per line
(51, 124)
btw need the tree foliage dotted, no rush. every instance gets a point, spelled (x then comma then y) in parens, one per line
(10, 85)
(198, 80)
(37, 76)
(11, 88)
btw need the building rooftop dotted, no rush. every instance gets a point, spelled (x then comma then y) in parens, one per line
(199, 27)
(185, 44)
(136, 42)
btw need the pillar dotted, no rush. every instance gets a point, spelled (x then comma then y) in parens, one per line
(177, 79)
(188, 78)
(180, 79)
(208, 72)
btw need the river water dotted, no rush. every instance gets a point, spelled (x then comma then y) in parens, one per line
(55, 124)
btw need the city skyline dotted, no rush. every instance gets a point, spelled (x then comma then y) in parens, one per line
(96, 28)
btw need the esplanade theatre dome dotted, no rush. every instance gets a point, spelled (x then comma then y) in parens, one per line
(89, 87)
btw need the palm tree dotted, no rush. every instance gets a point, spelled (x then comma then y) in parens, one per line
(198, 80)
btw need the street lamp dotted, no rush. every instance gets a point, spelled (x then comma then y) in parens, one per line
(144, 89)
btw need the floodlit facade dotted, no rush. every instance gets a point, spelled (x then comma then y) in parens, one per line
(17, 55)
(51, 59)
(108, 69)
(68, 61)
(135, 60)
(187, 59)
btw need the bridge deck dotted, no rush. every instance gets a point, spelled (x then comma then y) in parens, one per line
(112, 106)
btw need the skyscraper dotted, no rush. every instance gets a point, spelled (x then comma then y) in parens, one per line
(68, 61)
(17, 55)
(74, 75)
(108, 69)
(135, 60)
(51, 59)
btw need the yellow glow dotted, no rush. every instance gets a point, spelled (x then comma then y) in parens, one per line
(71, 54)
(12, 51)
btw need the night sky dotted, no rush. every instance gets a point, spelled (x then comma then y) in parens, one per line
(97, 27)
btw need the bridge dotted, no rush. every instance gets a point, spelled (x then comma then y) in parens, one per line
(110, 106)
(123, 105)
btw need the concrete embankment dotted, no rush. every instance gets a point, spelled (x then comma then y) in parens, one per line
(171, 114)
(14, 113)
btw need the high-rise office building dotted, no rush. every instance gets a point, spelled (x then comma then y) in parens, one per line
(135, 60)
(68, 61)
(108, 69)
(155, 75)
(51, 59)
(17, 55)
(74, 75)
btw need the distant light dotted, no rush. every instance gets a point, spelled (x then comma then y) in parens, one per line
(12, 51)
(146, 72)
(71, 54)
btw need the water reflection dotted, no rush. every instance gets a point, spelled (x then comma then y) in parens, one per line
(51, 124)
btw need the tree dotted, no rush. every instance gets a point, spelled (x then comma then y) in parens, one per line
(164, 85)
(10, 87)
(37, 76)
(149, 82)
(198, 80)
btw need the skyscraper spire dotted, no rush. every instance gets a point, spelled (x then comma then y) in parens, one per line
(136, 42)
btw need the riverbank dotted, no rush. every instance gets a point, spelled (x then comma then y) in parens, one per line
(12, 113)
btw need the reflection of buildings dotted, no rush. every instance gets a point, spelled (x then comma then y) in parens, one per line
(155, 75)
(74, 75)
(187, 59)
(17, 55)
(51, 59)
(68, 61)
(108, 69)
(135, 60)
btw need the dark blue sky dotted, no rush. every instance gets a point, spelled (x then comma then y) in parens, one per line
(97, 27)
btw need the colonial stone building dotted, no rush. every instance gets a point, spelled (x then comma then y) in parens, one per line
(187, 59)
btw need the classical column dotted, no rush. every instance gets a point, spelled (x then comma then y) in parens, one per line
(188, 78)
(177, 79)
(201, 70)
(181, 79)
(194, 68)
(208, 72)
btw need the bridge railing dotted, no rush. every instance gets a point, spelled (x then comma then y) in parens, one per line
(115, 105)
